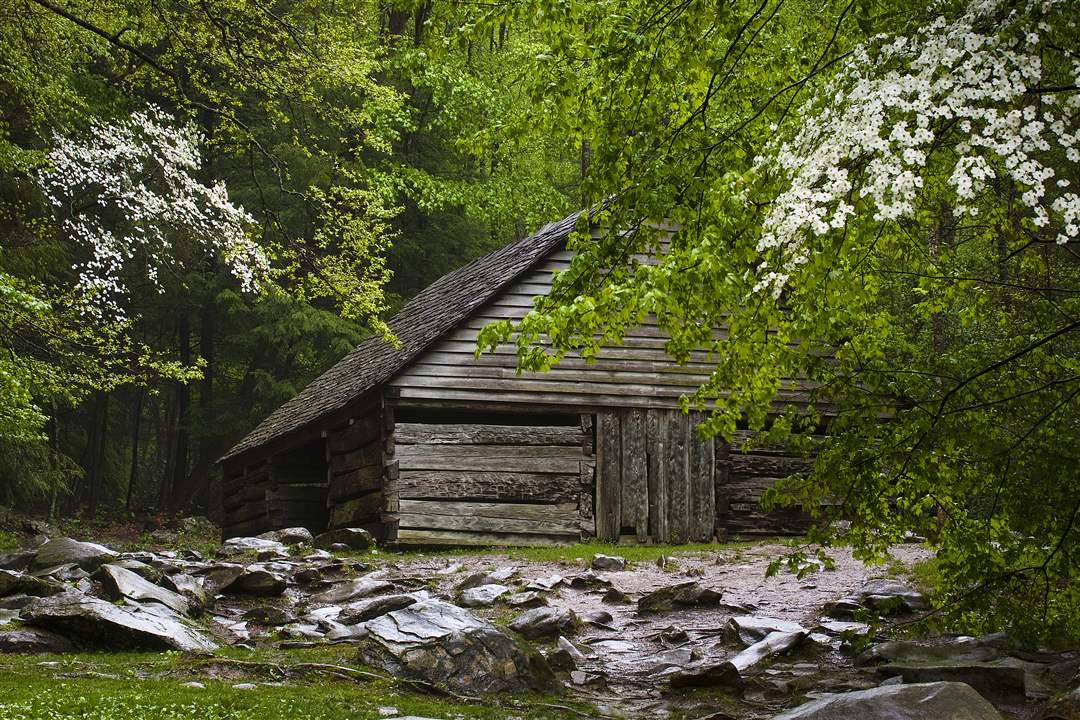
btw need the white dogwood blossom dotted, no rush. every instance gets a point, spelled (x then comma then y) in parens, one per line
(127, 192)
(964, 92)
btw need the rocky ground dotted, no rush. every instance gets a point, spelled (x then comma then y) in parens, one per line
(682, 635)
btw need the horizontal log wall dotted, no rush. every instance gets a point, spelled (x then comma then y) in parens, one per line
(354, 460)
(744, 478)
(486, 482)
(280, 491)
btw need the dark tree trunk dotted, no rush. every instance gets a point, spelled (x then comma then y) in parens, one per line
(183, 420)
(96, 471)
(423, 12)
(136, 428)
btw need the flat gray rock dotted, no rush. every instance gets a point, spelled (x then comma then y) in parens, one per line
(364, 610)
(17, 583)
(96, 623)
(353, 590)
(482, 596)
(545, 622)
(748, 629)
(930, 701)
(687, 594)
(258, 580)
(64, 551)
(886, 595)
(238, 545)
(289, 536)
(31, 640)
(448, 646)
(123, 583)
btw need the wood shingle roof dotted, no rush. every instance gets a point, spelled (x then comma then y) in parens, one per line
(433, 312)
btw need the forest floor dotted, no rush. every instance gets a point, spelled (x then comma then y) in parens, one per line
(625, 671)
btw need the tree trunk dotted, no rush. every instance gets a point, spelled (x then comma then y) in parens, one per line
(183, 419)
(136, 427)
(96, 471)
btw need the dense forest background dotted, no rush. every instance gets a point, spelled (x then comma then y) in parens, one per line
(363, 138)
(204, 203)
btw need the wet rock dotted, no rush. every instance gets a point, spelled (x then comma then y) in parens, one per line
(446, 645)
(545, 622)
(121, 583)
(196, 525)
(839, 627)
(673, 634)
(686, 594)
(69, 572)
(351, 538)
(289, 536)
(17, 583)
(931, 701)
(482, 596)
(477, 579)
(749, 629)
(99, 624)
(31, 640)
(527, 599)
(269, 615)
(353, 590)
(307, 576)
(374, 607)
(65, 551)
(955, 650)
(608, 562)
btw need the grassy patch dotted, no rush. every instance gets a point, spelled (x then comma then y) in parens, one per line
(579, 553)
(143, 686)
(9, 541)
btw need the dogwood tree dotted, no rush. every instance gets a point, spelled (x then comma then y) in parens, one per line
(891, 217)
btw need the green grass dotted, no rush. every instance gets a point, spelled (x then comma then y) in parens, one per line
(143, 686)
(579, 552)
(9, 541)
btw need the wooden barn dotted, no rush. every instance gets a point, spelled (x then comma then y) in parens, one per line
(427, 444)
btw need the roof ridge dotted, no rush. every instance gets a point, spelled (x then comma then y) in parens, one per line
(432, 313)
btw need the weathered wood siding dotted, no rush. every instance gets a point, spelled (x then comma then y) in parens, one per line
(354, 474)
(280, 491)
(654, 478)
(487, 482)
(744, 479)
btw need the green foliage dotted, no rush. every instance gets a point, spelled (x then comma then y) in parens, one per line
(937, 345)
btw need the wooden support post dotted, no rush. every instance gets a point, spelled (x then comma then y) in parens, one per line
(635, 474)
(608, 491)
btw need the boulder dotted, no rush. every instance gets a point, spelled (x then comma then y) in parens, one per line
(96, 623)
(1003, 680)
(289, 536)
(482, 596)
(121, 583)
(17, 583)
(17, 561)
(545, 622)
(772, 644)
(218, 578)
(448, 646)
(65, 551)
(365, 610)
(687, 594)
(351, 538)
(608, 562)
(352, 590)
(191, 588)
(713, 674)
(930, 701)
(31, 640)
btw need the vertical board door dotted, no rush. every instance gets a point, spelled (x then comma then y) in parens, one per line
(654, 477)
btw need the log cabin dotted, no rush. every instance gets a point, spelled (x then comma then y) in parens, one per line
(427, 444)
